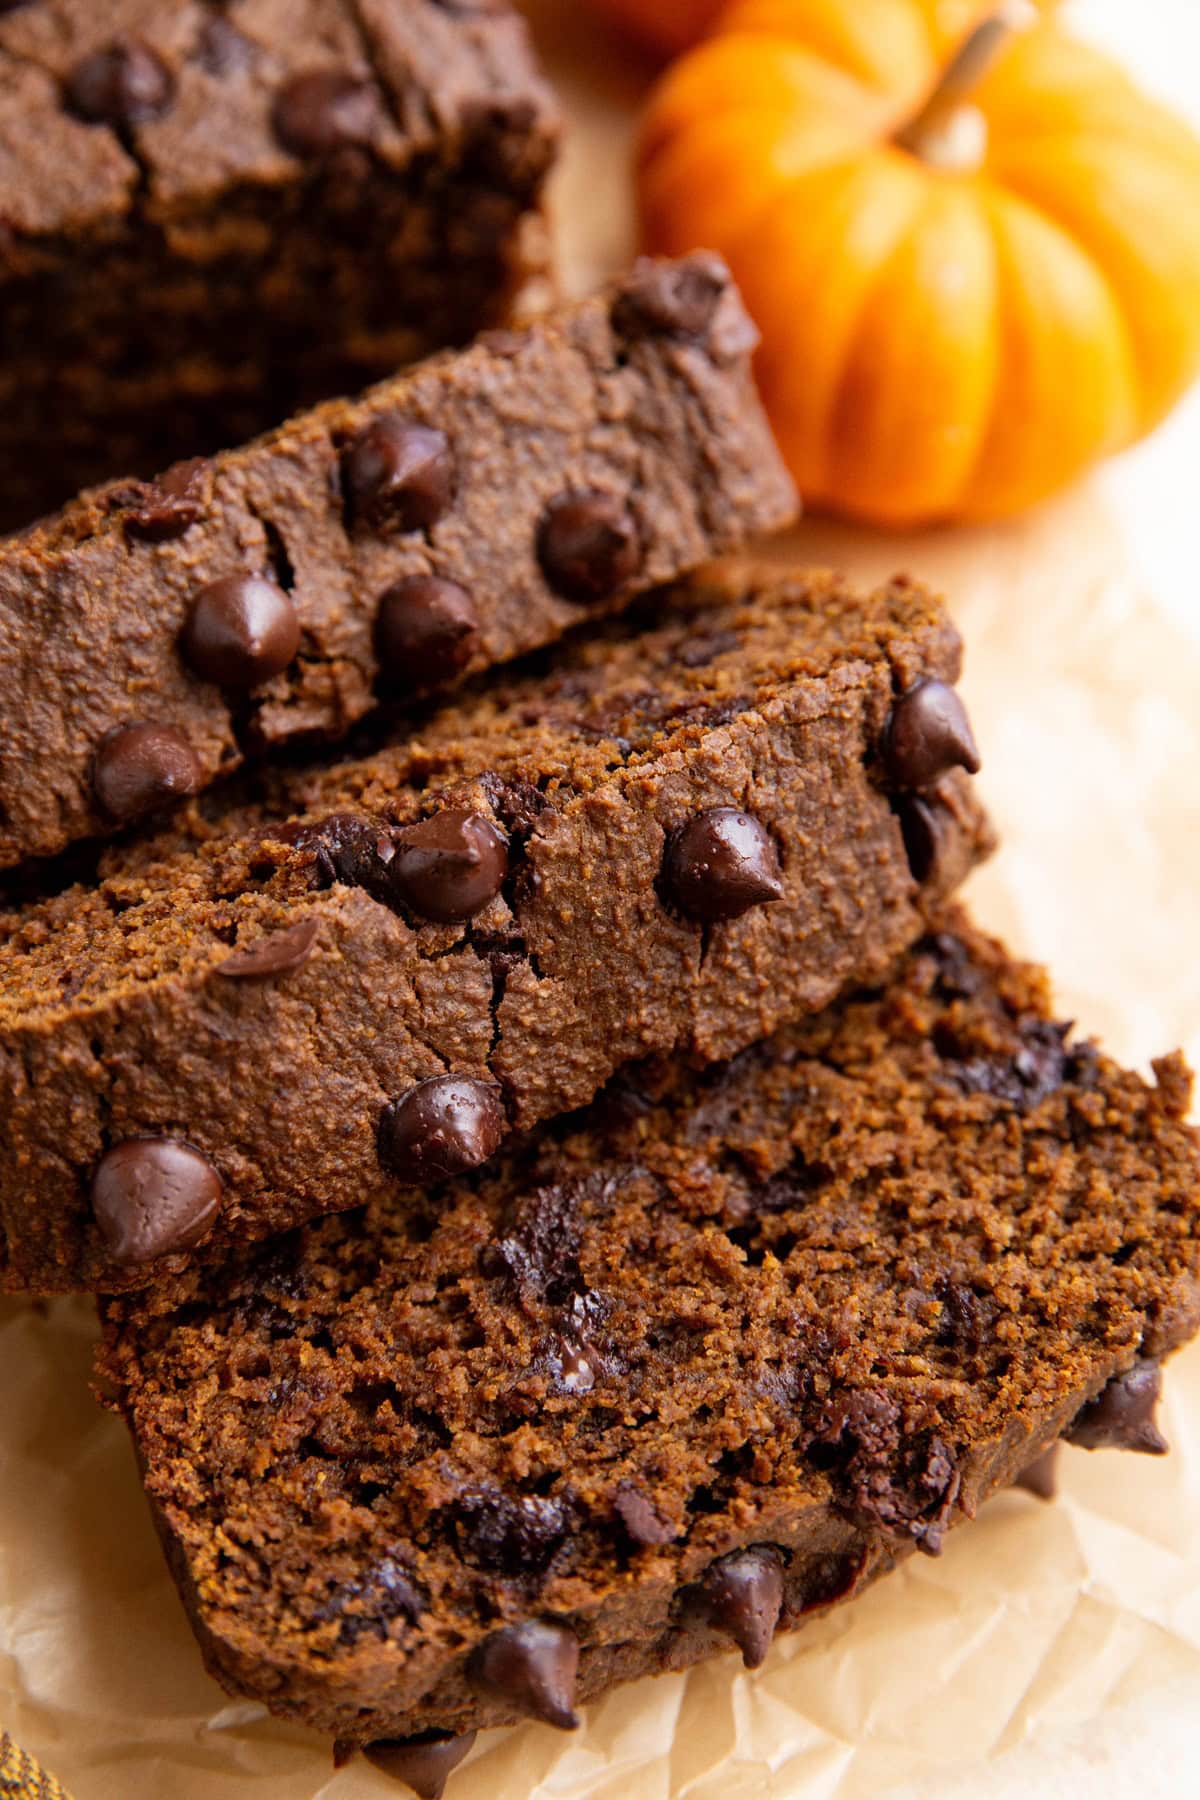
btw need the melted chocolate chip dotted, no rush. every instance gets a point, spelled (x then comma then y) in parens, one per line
(720, 865)
(573, 1366)
(533, 1667)
(1121, 1417)
(426, 632)
(540, 1249)
(928, 735)
(449, 867)
(152, 1197)
(510, 1537)
(644, 1525)
(1040, 1477)
(241, 631)
(425, 1763)
(670, 299)
(123, 85)
(398, 472)
(371, 1603)
(272, 956)
(742, 1596)
(441, 1128)
(170, 505)
(1039, 1065)
(323, 110)
(588, 546)
(140, 768)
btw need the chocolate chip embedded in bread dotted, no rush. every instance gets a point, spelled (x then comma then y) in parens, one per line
(742, 1595)
(721, 864)
(425, 1763)
(1121, 1417)
(926, 826)
(533, 1666)
(449, 867)
(154, 1196)
(641, 1519)
(441, 1128)
(142, 767)
(123, 85)
(170, 505)
(396, 471)
(929, 734)
(279, 954)
(588, 546)
(426, 632)
(677, 300)
(322, 110)
(241, 631)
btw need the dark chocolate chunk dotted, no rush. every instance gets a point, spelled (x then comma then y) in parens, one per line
(540, 1249)
(510, 1537)
(1121, 1417)
(425, 1763)
(1038, 1065)
(720, 865)
(588, 545)
(154, 1196)
(278, 954)
(669, 299)
(141, 767)
(370, 1603)
(241, 631)
(533, 1667)
(123, 85)
(641, 1519)
(449, 867)
(928, 735)
(170, 505)
(742, 1595)
(426, 632)
(1040, 1477)
(398, 471)
(441, 1128)
(323, 110)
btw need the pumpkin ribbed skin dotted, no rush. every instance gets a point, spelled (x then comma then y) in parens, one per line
(937, 344)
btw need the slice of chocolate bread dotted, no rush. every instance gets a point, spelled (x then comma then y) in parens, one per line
(670, 839)
(211, 214)
(462, 513)
(679, 1372)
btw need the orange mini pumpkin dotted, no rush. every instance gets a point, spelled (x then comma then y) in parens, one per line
(974, 274)
(668, 26)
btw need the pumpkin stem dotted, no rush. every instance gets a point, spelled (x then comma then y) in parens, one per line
(948, 131)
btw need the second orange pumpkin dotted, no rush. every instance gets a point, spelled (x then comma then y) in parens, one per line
(957, 320)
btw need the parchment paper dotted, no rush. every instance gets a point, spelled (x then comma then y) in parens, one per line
(1052, 1650)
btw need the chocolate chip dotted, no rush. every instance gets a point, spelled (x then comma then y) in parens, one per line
(170, 505)
(276, 955)
(396, 471)
(140, 768)
(927, 830)
(928, 735)
(441, 1128)
(449, 867)
(539, 1252)
(671, 299)
(533, 1668)
(742, 1595)
(152, 1197)
(1039, 1064)
(510, 1537)
(123, 85)
(1121, 1417)
(574, 1367)
(588, 546)
(720, 865)
(426, 632)
(640, 1519)
(241, 631)
(425, 1763)
(322, 110)
(1040, 1477)
(370, 1603)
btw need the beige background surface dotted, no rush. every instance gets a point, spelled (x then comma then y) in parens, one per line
(1051, 1650)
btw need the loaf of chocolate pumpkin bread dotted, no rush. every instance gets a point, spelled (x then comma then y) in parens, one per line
(679, 1372)
(675, 837)
(155, 634)
(213, 212)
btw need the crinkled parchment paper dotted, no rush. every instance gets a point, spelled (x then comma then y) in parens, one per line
(1052, 1650)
